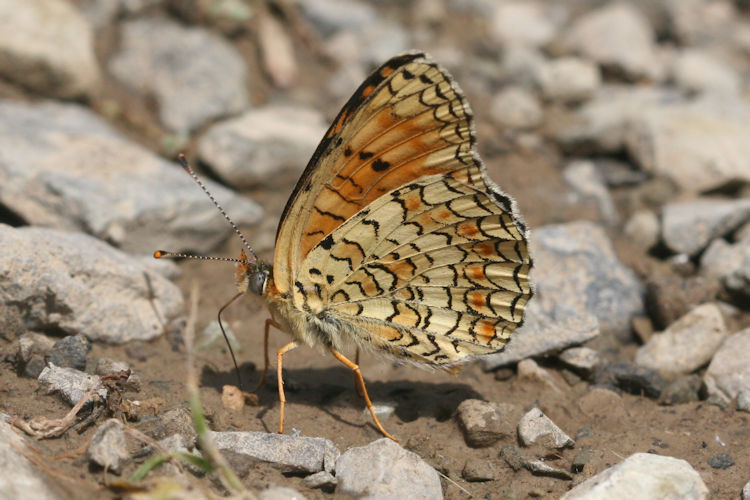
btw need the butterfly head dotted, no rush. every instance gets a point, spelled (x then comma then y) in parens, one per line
(251, 276)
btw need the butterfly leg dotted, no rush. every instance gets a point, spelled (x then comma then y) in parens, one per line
(282, 398)
(356, 381)
(269, 323)
(361, 382)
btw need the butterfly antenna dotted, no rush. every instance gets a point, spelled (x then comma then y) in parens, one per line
(226, 338)
(186, 166)
(165, 254)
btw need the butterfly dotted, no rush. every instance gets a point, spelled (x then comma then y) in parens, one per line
(394, 239)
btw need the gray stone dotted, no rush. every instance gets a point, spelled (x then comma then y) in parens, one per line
(70, 352)
(730, 264)
(631, 378)
(176, 421)
(581, 460)
(516, 108)
(542, 334)
(107, 448)
(261, 145)
(529, 23)
(383, 469)
(521, 64)
(679, 141)
(683, 390)
(50, 48)
(513, 457)
(689, 226)
(686, 345)
(20, 479)
(280, 493)
(671, 296)
(32, 350)
(697, 70)
(643, 476)
(743, 400)
(721, 461)
(194, 75)
(729, 371)
(588, 183)
(80, 285)
(536, 428)
(70, 383)
(602, 124)
(542, 468)
(330, 16)
(746, 491)
(484, 423)
(110, 187)
(629, 50)
(568, 79)
(323, 480)
(478, 470)
(291, 453)
(642, 228)
(583, 360)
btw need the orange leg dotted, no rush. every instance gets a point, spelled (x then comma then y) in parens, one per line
(356, 380)
(361, 383)
(282, 398)
(269, 323)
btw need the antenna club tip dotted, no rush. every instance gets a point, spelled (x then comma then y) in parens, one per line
(159, 254)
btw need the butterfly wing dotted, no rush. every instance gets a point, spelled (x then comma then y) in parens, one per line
(395, 230)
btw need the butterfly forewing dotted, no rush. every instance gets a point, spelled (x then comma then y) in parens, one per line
(395, 231)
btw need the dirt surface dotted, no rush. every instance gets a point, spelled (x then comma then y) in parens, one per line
(321, 397)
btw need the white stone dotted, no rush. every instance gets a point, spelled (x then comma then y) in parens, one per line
(643, 228)
(383, 469)
(730, 263)
(617, 37)
(261, 145)
(536, 428)
(568, 79)
(530, 23)
(516, 108)
(729, 371)
(588, 183)
(700, 71)
(19, 478)
(686, 345)
(107, 447)
(47, 45)
(72, 384)
(643, 476)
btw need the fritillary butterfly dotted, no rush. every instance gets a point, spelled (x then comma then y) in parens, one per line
(395, 240)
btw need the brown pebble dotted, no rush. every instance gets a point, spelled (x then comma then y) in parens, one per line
(232, 398)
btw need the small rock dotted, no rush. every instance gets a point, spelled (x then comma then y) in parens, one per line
(629, 50)
(542, 468)
(504, 373)
(743, 400)
(291, 453)
(689, 226)
(177, 421)
(720, 462)
(568, 79)
(631, 378)
(588, 182)
(512, 456)
(683, 390)
(70, 352)
(50, 48)
(32, 349)
(232, 398)
(670, 297)
(643, 475)
(698, 70)
(528, 369)
(483, 423)
(263, 146)
(678, 141)
(581, 459)
(20, 478)
(330, 16)
(536, 428)
(686, 345)
(583, 360)
(521, 63)
(516, 108)
(81, 285)
(746, 491)
(383, 469)
(281, 493)
(70, 383)
(323, 480)
(383, 409)
(730, 264)
(194, 75)
(643, 229)
(107, 448)
(478, 470)
(108, 366)
(729, 371)
(529, 23)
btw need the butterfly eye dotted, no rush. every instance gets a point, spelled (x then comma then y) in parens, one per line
(258, 281)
